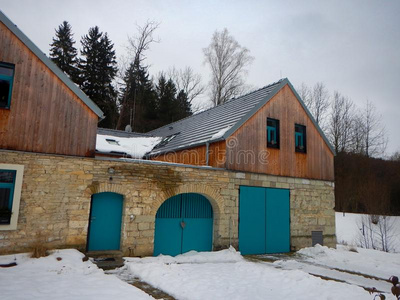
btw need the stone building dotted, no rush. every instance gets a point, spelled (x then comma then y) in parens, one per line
(255, 173)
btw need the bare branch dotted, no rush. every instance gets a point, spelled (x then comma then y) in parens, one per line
(141, 42)
(228, 61)
(188, 81)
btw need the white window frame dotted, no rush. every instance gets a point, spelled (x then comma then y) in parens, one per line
(17, 195)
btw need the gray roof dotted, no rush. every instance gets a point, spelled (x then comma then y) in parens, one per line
(47, 61)
(121, 133)
(227, 118)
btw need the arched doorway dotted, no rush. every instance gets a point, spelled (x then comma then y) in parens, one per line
(183, 222)
(105, 222)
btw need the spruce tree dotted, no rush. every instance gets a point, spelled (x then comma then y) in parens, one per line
(63, 53)
(183, 105)
(138, 100)
(98, 70)
(166, 91)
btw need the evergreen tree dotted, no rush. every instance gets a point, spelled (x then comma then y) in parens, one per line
(63, 53)
(183, 105)
(171, 106)
(138, 101)
(98, 70)
(166, 91)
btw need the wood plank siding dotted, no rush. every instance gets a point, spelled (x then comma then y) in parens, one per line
(45, 115)
(194, 156)
(246, 149)
(250, 152)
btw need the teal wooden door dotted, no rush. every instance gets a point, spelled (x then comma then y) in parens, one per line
(264, 220)
(168, 229)
(252, 220)
(105, 222)
(183, 223)
(277, 217)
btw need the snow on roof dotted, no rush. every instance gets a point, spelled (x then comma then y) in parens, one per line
(221, 133)
(135, 147)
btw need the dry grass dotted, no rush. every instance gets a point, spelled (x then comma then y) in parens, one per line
(39, 248)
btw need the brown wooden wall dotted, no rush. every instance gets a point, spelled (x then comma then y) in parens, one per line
(195, 156)
(250, 152)
(45, 115)
(246, 150)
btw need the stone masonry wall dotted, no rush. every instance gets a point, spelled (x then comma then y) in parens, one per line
(57, 190)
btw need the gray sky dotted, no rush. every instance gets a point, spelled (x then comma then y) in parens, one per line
(351, 46)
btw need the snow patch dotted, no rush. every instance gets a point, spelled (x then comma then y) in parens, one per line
(227, 275)
(221, 132)
(65, 278)
(135, 147)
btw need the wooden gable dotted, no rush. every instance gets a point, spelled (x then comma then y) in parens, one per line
(249, 151)
(45, 115)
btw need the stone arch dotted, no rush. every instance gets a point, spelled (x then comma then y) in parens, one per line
(97, 187)
(212, 195)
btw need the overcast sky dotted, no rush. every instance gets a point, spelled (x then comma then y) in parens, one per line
(351, 46)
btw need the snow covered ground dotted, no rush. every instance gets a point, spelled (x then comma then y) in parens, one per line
(365, 268)
(211, 275)
(68, 278)
(349, 228)
(227, 275)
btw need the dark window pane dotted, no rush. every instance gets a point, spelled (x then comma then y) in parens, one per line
(7, 176)
(4, 198)
(6, 71)
(5, 211)
(4, 92)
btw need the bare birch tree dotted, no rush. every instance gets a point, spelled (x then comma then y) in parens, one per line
(228, 61)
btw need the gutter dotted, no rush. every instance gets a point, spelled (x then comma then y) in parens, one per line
(207, 153)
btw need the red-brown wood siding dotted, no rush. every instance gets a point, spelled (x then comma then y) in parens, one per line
(246, 149)
(250, 152)
(45, 115)
(194, 156)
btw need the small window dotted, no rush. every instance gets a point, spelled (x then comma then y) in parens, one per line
(6, 82)
(7, 183)
(300, 138)
(112, 142)
(166, 140)
(272, 133)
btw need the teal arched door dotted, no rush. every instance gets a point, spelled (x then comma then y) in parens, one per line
(105, 222)
(183, 223)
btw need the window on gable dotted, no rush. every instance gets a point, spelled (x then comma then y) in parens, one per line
(6, 82)
(300, 138)
(7, 184)
(272, 133)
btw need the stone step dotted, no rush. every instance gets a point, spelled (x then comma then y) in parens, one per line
(105, 254)
(108, 263)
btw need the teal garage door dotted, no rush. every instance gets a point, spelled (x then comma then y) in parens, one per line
(264, 220)
(183, 223)
(105, 222)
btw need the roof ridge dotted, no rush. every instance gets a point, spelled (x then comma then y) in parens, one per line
(229, 101)
(127, 132)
